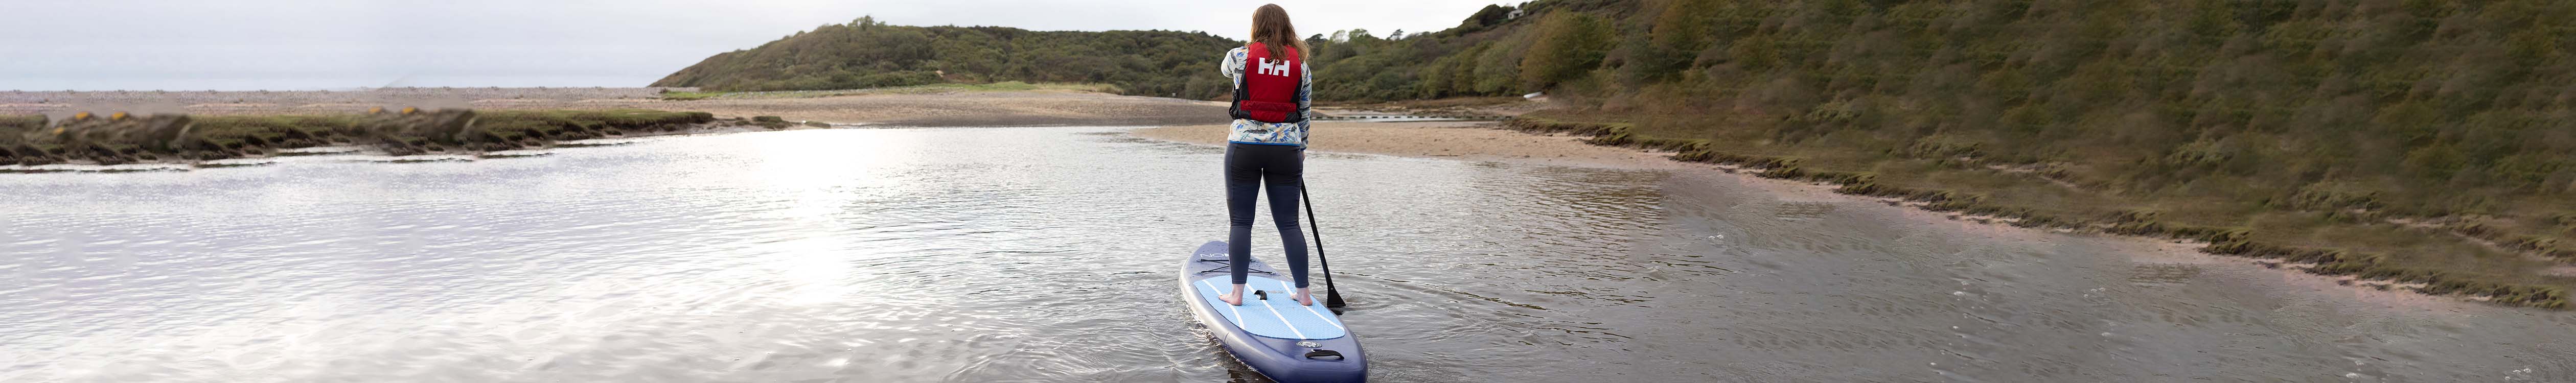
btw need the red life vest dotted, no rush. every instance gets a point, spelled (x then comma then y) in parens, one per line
(1269, 89)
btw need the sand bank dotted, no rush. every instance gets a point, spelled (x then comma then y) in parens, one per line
(1469, 141)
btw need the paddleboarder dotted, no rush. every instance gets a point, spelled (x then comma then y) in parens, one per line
(1266, 146)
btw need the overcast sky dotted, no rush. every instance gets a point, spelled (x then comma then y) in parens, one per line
(301, 44)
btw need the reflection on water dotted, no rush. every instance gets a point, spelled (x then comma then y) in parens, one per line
(1043, 254)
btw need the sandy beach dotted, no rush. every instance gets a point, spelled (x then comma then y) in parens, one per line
(1469, 141)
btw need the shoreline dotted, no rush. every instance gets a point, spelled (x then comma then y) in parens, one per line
(28, 146)
(922, 107)
(2444, 259)
(274, 155)
(1442, 139)
(182, 128)
(1502, 143)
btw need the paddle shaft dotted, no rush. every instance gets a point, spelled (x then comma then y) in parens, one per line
(1332, 296)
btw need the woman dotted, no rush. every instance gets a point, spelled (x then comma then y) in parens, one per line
(1267, 145)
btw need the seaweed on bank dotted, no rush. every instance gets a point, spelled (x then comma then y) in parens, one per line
(2536, 245)
(121, 138)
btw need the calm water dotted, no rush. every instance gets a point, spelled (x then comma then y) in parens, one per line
(1047, 254)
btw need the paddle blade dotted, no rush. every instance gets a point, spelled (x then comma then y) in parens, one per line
(1333, 298)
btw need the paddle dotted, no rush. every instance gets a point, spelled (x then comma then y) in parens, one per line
(1332, 297)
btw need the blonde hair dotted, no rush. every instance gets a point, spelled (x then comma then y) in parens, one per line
(1270, 27)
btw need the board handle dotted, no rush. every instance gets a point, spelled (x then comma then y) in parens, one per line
(1321, 353)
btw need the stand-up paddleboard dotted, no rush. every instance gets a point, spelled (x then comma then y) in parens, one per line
(1283, 340)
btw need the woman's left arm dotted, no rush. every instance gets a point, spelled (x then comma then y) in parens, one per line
(1305, 94)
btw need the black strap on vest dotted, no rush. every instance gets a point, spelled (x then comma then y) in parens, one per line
(1243, 91)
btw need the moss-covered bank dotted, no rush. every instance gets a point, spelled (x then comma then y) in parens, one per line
(2432, 254)
(118, 139)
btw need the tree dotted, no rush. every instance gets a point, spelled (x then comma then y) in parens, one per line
(1568, 44)
(1685, 25)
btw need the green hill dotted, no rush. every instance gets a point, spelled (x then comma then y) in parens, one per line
(869, 54)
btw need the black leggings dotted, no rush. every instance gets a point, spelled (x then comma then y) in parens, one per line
(1248, 167)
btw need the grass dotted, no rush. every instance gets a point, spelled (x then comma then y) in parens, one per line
(916, 89)
(2232, 219)
(21, 123)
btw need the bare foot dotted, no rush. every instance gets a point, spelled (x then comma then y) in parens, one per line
(1233, 298)
(1304, 297)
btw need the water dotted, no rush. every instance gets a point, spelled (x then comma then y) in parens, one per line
(1047, 254)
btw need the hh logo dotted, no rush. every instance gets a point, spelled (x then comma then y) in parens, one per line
(1268, 68)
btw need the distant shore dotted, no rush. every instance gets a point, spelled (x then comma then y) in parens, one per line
(1041, 105)
(87, 138)
(113, 128)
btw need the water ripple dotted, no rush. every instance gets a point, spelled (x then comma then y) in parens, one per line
(1042, 254)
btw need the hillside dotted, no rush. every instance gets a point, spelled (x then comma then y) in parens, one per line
(870, 54)
(2414, 141)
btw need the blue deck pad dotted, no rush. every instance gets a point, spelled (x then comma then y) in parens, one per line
(1277, 317)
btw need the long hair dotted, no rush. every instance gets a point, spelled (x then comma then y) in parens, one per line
(1270, 28)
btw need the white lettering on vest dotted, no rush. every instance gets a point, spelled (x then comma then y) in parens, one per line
(1279, 69)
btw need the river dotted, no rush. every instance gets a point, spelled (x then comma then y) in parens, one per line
(1047, 254)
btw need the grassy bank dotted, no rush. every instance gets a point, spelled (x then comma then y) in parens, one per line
(2426, 143)
(36, 140)
(1004, 86)
(2319, 232)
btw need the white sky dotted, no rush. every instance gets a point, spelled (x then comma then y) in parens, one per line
(309, 44)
